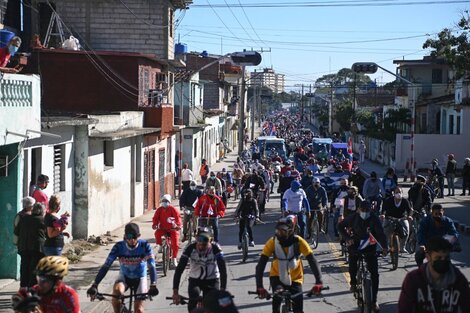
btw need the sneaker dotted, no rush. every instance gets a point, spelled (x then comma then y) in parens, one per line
(239, 246)
(252, 243)
(462, 194)
(375, 307)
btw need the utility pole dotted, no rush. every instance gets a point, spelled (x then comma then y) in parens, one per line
(252, 111)
(330, 111)
(302, 102)
(241, 114)
(354, 92)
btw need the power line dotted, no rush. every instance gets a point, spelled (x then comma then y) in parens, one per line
(238, 21)
(139, 18)
(328, 4)
(251, 25)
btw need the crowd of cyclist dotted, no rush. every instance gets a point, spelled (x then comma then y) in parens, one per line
(361, 208)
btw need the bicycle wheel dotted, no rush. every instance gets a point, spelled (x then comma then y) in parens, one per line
(315, 233)
(395, 249)
(190, 230)
(165, 261)
(326, 221)
(411, 243)
(245, 246)
(123, 309)
(367, 295)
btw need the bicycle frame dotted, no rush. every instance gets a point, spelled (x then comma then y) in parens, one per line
(132, 296)
(363, 292)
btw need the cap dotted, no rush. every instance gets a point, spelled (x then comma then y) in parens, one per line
(420, 177)
(219, 301)
(166, 197)
(316, 180)
(132, 229)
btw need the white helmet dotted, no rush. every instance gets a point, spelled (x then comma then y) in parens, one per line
(261, 168)
(166, 197)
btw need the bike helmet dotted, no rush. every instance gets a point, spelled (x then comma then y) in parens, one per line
(166, 197)
(25, 300)
(204, 232)
(287, 223)
(55, 266)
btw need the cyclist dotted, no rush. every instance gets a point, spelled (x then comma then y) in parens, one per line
(338, 202)
(317, 199)
(419, 195)
(436, 171)
(365, 231)
(435, 224)
(254, 182)
(237, 174)
(246, 212)
(213, 181)
(372, 190)
(211, 206)
(437, 286)
(167, 220)
(296, 203)
(287, 271)
(50, 295)
(351, 203)
(389, 182)
(207, 268)
(134, 255)
(188, 201)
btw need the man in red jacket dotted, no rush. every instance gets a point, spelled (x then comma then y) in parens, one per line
(211, 207)
(436, 286)
(167, 220)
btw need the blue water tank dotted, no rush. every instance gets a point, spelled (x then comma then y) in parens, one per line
(204, 54)
(5, 37)
(181, 48)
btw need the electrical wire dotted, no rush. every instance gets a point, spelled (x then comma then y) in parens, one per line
(327, 4)
(251, 25)
(20, 150)
(238, 21)
(140, 19)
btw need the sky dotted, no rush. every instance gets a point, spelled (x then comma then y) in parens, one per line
(307, 42)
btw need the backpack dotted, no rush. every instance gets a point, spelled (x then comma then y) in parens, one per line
(296, 248)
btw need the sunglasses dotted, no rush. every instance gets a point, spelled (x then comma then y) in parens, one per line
(43, 279)
(202, 239)
(130, 236)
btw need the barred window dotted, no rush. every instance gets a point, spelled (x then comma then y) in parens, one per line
(59, 168)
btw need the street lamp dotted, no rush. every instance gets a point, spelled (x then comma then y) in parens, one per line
(371, 68)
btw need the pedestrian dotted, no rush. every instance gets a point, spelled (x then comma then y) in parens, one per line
(466, 177)
(27, 203)
(204, 171)
(362, 152)
(31, 233)
(436, 171)
(7, 52)
(54, 243)
(38, 194)
(186, 176)
(451, 169)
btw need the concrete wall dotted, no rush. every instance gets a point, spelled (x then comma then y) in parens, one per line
(109, 25)
(10, 194)
(20, 106)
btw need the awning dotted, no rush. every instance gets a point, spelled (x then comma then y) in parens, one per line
(123, 133)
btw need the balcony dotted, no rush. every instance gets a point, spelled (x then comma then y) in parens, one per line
(20, 104)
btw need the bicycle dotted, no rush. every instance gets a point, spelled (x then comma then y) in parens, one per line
(185, 300)
(237, 184)
(315, 229)
(395, 240)
(326, 220)
(287, 305)
(167, 251)
(363, 292)
(414, 225)
(132, 297)
(191, 228)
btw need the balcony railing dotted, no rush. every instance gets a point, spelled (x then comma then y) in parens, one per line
(16, 91)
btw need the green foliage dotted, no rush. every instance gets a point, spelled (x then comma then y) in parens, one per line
(365, 118)
(453, 45)
(344, 77)
(345, 115)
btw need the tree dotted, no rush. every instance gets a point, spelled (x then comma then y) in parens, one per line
(345, 115)
(453, 45)
(344, 77)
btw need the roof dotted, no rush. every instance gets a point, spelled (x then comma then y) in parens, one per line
(56, 121)
(181, 4)
(322, 140)
(123, 133)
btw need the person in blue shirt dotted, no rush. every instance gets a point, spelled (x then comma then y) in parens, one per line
(435, 224)
(134, 255)
(295, 202)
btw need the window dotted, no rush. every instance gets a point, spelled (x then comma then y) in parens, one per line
(170, 23)
(437, 76)
(195, 147)
(108, 153)
(59, 168)
(451, 124)
(457, 131)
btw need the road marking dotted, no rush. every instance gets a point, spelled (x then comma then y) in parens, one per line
(343, 266)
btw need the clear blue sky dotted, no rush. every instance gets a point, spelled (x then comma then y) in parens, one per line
(308, 42)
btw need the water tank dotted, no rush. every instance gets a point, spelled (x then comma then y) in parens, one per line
(204, 54)
(5, 37)
(181, 48)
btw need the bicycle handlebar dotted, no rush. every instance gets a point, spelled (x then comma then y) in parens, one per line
(284, 292)
(102, 296)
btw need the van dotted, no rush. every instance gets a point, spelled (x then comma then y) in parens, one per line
(275, 145)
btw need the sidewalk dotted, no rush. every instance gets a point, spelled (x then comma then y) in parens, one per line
(83, 273)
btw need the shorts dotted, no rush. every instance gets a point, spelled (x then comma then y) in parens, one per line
(138, 284)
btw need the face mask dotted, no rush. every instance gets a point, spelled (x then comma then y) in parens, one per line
(317, 185)
(12, 49)
(364, 215)
(211, 195)
(441, 266)
(398, 196)
(192, 187)
(212, 177)
(165, 204)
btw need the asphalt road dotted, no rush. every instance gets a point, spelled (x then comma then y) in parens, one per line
(241, 276)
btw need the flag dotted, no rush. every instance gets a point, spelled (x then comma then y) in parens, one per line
(350, 144)
(369, 241)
